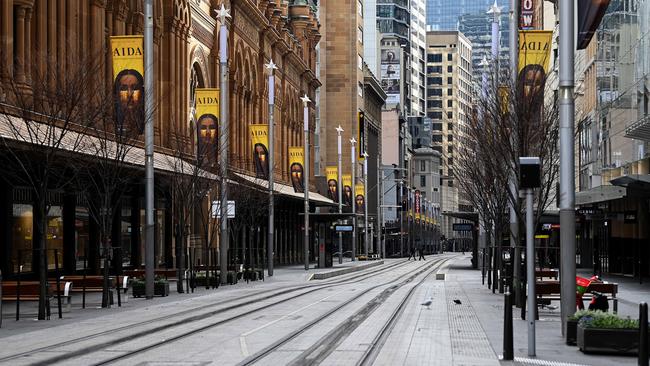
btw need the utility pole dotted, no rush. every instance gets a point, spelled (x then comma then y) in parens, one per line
(339, 188)
(148, 149)
(353, 206)
(223, 142)
(514, 219)
(271, 234)
(305, 118)
(567, 164)
(380, 214)
(365, 204)
(401, 218)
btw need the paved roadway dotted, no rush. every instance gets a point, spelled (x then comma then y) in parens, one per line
(373, 316)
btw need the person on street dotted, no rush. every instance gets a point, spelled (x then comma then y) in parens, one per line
(412, 253)
(421, 250)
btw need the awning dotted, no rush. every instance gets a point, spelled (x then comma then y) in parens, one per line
(600, 194)
(632, 180)
(17, 129)
(286, 190)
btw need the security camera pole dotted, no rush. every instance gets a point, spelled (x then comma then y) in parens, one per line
(271, 234)
(148, 147)
(352, 205)
(339, 130)
(305, 104)
(223, 142)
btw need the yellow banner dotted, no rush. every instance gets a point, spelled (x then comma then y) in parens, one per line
(534, 57)
(297, 168)
(347, 189)
(259, 146)
(359, 198)
(128, 84)
(332, 175)
(207, 122)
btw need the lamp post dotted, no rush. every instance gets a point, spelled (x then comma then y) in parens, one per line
(353, 206)
(271, 234)
(148, 146)
(514, 219)
(401, 218)
(365, 203)
(223, 142)
(339, 188)
(567, 164)
(305, 113)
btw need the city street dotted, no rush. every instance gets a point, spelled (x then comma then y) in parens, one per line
(371, 316)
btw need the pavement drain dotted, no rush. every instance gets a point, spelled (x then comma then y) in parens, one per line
(467, 336)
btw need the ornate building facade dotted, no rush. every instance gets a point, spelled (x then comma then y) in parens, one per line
(52, 36)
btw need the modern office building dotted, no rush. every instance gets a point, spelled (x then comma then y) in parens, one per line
(445, 14)
(418, 40)
(449, 104)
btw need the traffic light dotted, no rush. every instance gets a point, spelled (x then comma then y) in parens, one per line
(590, 13)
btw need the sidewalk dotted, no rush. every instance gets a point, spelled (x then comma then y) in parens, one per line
(282, 276)
(550, 346)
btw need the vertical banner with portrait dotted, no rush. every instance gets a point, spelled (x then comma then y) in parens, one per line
(390, 74)
(359, 199)
(347, 189)
(332, 175)
(418, 213)
(127, 53)
(259, 147)
(361, 137)
(410, 202)
(534, 57)
(207, 125)
(297, 168)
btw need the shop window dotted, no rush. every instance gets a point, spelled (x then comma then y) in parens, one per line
(125, 232)
(82, 238)
(23, 224)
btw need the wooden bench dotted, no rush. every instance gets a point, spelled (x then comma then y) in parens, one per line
(550, 290)
(169, 274)
(546, 273)
(30, 291)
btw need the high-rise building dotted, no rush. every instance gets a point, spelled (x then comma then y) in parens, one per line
(444, 14)
(418, 40)
(449, 100)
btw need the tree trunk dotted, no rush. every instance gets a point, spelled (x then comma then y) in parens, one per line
(180, 257)
(41, 248)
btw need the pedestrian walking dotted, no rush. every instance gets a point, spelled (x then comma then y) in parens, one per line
(412, 253)
(421, 250)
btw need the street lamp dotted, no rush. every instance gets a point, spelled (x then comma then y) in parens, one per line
(305, 103)
(339, 188)
(148, 136)
(271, 234)
(365, 203)
(353, 208)
(223, 141)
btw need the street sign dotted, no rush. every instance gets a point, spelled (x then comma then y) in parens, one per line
(463, 227)
(216, 209)
(343, 228)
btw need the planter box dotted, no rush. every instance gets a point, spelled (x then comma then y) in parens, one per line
(571, 332)
(159, 289)
(612, 341)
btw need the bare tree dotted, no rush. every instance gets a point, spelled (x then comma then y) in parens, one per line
(509, 121)
(44, 123)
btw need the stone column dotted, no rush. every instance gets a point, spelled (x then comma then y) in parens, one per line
(28, 46)
(19, 73)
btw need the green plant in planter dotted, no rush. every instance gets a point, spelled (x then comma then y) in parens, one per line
(607, 321)
(160, 286)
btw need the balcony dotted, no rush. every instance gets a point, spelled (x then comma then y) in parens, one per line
(639, 129)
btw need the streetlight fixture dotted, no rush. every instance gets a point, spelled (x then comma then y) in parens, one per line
(305, 103)
(148, 146)
(271, 234)
(339, 130)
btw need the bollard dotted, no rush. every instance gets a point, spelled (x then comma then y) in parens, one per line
(508, 352)
(643, 334)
